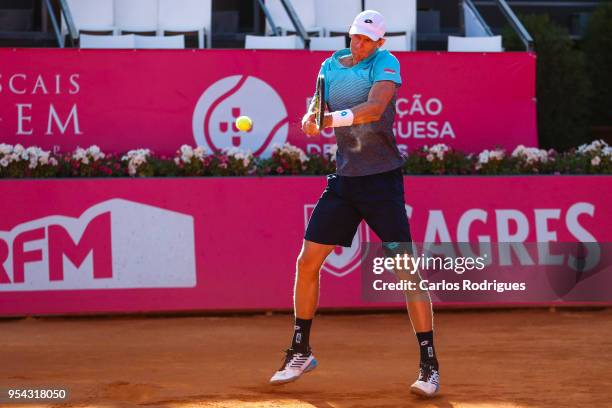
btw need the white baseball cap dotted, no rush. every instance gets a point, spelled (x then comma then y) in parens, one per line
(369, 23)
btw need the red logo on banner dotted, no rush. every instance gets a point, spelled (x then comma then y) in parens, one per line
(230, 97)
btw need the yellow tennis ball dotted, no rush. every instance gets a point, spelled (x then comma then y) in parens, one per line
(244, 123)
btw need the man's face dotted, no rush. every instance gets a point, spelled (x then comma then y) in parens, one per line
(363, 46)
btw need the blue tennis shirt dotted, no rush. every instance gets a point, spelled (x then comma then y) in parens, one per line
(368, 148)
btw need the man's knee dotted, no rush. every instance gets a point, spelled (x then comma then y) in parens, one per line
(312, 257)
(307, 266)
(417, 291)
(419, 295)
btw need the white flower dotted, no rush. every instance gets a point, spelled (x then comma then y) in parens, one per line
(497, 154)
(92, 154)
(5, 148)
(79, 154)
(186, 153)
(44, 157)
(135, 159)
(439, 150)
(33, 155)
(596, 146)
(486, 155)
(244, 155)
(530, 155)
(144, 153)
(291, 150)
(436, 151)
(199, 152)
(28, 153)
(94, 150)
(95, 153)
(4, 162)
(53, 161)
(595, 161)
(235, 153)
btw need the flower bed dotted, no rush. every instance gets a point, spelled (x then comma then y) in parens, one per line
(32, 162)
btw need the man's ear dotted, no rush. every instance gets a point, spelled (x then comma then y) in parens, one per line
(380, 42)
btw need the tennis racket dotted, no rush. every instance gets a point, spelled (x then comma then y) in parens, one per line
(320, 102)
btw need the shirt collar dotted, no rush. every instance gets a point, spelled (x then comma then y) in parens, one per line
(347, 51)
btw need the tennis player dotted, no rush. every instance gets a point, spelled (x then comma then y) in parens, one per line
(360, 90)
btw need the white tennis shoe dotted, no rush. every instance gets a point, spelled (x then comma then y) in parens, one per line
(294, 365)
(428, 383)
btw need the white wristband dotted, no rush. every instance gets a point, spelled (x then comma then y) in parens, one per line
(342, 118)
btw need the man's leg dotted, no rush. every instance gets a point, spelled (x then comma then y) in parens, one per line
(299, 358)
(421, 315)
(334, 221)
(306, 290)
(418, 302)
(389, 221)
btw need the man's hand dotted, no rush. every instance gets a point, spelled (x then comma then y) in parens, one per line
(309, 127)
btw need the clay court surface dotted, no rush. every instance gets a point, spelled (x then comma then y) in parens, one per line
(520, 358)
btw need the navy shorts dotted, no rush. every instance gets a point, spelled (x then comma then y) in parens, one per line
(378, 199)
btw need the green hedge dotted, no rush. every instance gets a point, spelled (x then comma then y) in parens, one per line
(598, 51)
(562, 86)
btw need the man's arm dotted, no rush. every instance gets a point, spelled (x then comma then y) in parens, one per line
(379, 97)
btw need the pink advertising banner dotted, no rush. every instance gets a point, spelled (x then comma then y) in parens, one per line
(161, 99)
(133, 245)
